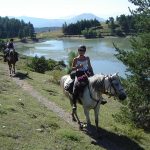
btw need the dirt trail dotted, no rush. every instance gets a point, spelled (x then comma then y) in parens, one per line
(49, 104)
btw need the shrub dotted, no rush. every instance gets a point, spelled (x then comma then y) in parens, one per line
(72, 55)
(39, 64)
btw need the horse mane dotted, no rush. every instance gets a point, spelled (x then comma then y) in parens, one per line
(11, 53)
(12, 58)
(96, 82)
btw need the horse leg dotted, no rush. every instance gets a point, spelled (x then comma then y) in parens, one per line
(9, 68)
(86, 112)
(14, 69)
(76, 118)
(96, 112)
(72, 114)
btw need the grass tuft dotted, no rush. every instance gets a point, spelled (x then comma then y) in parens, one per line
(69, 135)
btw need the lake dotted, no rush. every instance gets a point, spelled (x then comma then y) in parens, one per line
(100, 51)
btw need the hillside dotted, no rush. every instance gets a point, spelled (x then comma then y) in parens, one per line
(33, 113)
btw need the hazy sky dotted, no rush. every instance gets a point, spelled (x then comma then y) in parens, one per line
(55, 9)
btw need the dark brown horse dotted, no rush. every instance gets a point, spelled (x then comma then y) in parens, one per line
(12, 58)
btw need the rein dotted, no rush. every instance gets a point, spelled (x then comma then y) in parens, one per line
(104, 90)
(96, 100)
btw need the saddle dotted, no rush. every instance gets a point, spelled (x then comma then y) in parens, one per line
(69, 86)
(82, 81)
(9, 54)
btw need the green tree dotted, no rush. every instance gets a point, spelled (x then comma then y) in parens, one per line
(71, 55)
(89, 33)
(76, 28)
(10, 28)
(39, 64)
(112, 25)
(2, 45)
(31, 30)
(137, 61)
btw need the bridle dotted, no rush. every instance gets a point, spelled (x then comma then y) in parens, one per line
(107, 91)
(96, 100)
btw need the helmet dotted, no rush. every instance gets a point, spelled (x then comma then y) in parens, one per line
(82, 48)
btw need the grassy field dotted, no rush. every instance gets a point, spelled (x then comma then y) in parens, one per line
(27, 125)
(52, 34)
(105, 31)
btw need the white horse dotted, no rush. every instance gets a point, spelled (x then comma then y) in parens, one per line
(92, 95)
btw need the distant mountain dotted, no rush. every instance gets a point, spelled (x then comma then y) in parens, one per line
(86, 16)
(40, 22)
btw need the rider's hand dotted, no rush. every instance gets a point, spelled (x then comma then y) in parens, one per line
(80, 66)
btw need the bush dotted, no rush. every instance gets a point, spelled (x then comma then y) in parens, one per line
(72, 55)
(39, 64)
(2, 45)
(119, 33)
(89, 33)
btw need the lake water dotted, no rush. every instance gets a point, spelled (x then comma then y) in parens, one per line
(100, 51)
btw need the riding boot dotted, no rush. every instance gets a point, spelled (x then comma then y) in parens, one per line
(75, 96)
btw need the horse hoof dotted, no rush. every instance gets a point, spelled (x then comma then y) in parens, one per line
(73, 119)
(81, 127)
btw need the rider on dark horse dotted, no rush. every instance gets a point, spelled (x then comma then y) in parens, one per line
(10, 46)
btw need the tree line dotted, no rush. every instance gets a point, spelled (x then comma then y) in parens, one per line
(121, 26)
(10, 28)
(80, 27)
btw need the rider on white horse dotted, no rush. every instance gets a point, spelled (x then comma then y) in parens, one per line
(81, 64)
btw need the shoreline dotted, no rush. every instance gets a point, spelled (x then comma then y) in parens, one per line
(74, 37)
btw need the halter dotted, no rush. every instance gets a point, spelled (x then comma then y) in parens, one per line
(109, 86)
(104, 90)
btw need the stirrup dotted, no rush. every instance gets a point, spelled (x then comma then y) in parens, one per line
(74, 108)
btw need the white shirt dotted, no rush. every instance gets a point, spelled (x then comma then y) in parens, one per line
(84, 64)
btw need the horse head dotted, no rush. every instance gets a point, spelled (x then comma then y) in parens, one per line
(114, 86)
(11, 52)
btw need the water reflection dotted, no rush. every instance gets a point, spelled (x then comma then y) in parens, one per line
(101, 52)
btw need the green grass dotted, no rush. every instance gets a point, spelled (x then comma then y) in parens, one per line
(52, 34)
(26, 124)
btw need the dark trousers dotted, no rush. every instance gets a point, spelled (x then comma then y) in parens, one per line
(78, 86)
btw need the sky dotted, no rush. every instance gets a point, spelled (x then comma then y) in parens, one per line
(56, 9)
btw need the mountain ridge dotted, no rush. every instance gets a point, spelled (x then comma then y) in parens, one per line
(41, 22)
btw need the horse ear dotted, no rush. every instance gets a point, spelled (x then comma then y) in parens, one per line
(117, 73)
